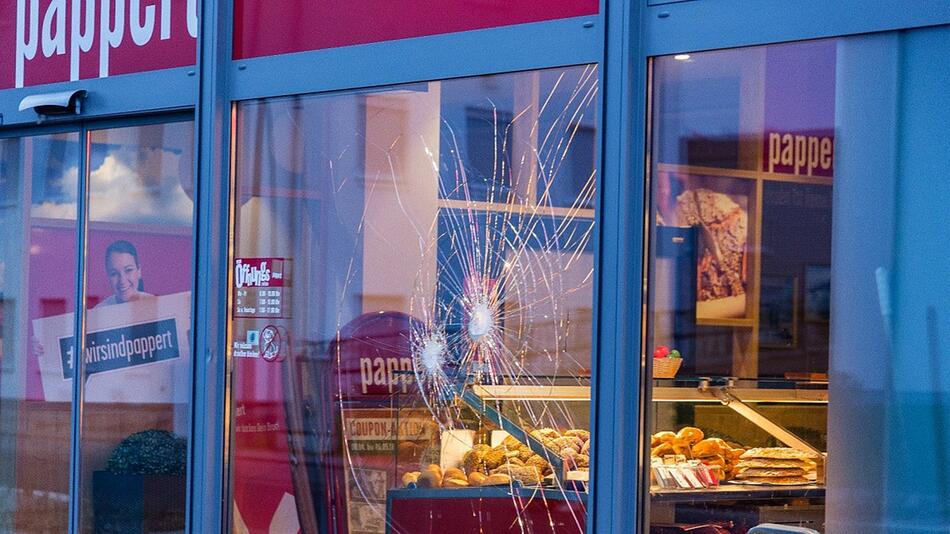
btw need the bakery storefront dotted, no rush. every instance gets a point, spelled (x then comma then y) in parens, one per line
(534, 267)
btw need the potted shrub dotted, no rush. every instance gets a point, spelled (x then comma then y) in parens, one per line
(143, 486)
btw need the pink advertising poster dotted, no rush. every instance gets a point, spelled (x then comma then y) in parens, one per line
(166, 265)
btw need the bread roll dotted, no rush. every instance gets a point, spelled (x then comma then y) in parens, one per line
(661, 437)
(682, 446)
(454, 472)
(511, 443)
(715, 460)
(410, 477)
(525, 474)
(539, 463)
(579, 433)
(430, 479)
(494, 457)
(565, 442)
(454, 483)
(690, 434)
(497, 479)
(476, 479)
(709, 447)
(662, 450)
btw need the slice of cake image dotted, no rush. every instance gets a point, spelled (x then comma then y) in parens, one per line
(724, 232)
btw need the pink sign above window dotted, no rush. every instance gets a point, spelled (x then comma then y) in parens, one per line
(49, 41)
(265, 28)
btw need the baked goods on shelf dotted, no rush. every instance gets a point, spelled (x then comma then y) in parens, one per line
(509, 461)
(691, 443)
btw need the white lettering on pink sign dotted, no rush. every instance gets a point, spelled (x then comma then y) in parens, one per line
(246, 275)
(49, 34)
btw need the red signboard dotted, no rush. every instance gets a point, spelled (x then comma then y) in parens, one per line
(373, 356)
(48, 41)
(261, 288)
(264, 27)
(799, 129)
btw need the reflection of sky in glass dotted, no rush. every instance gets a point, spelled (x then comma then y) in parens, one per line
(55, 181)
(129, 183)
(138, 185)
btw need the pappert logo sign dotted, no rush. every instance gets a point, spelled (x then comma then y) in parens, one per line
(373, 356)
(48, 41)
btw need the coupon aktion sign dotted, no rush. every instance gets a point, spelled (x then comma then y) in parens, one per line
(134, 352)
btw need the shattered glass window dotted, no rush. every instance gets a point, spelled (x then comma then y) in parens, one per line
(412, 307)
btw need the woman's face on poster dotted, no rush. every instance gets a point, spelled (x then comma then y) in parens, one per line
(124, 275)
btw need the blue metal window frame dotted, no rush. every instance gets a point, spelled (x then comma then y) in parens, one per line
(127, 94)
(670, 27)
(541, 45)
(83, 126)
(621, 40)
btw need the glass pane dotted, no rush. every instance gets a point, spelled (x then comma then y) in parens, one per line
(39, 180)
(413, 307)
(798, 198)
(136, 356)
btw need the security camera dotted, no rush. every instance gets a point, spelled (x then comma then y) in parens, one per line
(61, 103)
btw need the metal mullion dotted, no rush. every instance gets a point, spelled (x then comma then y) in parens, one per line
(208, 505)
(79, 335)
(619, 382)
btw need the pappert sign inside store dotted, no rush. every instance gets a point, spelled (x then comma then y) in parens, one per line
(49, 41)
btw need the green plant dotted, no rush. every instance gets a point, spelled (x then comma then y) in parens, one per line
(149, 452)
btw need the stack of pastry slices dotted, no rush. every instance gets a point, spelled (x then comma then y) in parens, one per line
(780, 466)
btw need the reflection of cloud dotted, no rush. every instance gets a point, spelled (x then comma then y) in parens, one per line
(68, 183)
(148, 191)
(132, 185)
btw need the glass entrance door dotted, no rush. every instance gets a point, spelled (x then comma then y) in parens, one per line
(102, 216)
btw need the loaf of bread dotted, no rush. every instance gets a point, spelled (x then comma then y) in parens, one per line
(780, 472)
(778, 481)
(778, 453)
(774, 463)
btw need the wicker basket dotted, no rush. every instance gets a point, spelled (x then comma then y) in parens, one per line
(666, 367)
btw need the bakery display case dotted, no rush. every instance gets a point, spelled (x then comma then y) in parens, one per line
(737, 318)
(515, 453)
(752, 439)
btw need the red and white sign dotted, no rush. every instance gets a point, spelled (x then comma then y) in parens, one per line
(49, 41)
(270, 343)
(374, 357)
(265, 28)
(262, 288)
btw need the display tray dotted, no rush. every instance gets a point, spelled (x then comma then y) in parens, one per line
(568, 493)
(737, 492)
